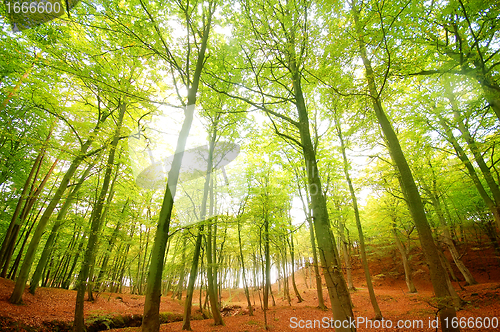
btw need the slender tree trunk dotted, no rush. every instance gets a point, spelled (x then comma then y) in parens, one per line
(447, 266)
(15, 266)
(245, 285)
(107, 252)
(151, 319)
(337, 288)
(446, 307)
(210, 286)
(494, 209)
(17, 294)
(194, 268)
(469, 278)
(180, 285)
(69, 278)
(95, 227)
(373, 298)
(286, 284)
(304, 271)
(186, 323)
(115, 278)
(24, 195)
(35, 279)
(267, 271)
(292, 256)
(347, 256)
(145, 262)
(404, 258)
(212, 281)
(211, 242)
(317, 275)
(447, 235)
(485, 170)
(64, 260)
(10, 244)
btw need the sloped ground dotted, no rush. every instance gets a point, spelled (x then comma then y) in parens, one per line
(481, 302)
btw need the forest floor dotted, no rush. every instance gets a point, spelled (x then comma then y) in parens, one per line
(52, 309)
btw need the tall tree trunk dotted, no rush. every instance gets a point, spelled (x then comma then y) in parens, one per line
(24, 195)
(145, 262)
(115, 279)
(212, 281)
(471, 143)
(107, 252)
(373, 298)
(194, 268)
(446, 307)
(446, 232)
(245, 286)
(17, 294)
(292, 256)
(15, 266)
(469, 278)
(69, 278)
(347, 256)
(404, 258)
(267, 254)
(335, 282)
(17, 221)
(286, 284)
(32, 198)
(49, 244)
(188, 303)
(65, 259)
(212, 295)
(180, 285)
(492, 206)
(151, 318)
(95, 228)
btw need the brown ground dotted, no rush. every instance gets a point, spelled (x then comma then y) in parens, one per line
(395, 303)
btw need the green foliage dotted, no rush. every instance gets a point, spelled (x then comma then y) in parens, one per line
(71, 74)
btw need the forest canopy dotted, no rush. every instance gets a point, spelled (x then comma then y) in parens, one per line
(158, 147)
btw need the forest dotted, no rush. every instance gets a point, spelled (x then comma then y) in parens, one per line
(244, 165)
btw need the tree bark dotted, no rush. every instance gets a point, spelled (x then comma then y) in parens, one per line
(492, 206)
(404, 258)
(188, 303)
(35, 279)
(194, 268)
(485, 170)
(292, 256)
(445, 304)
(95, 228)
(17, 294)
(245, 286)
(24, 195)
(151, 318)
(447, 235)
(337, 288)
(107, 251)
(347, 256)
(212, 281)
(67, 281)
(354, 200)
(469, 278)
(180, 284)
